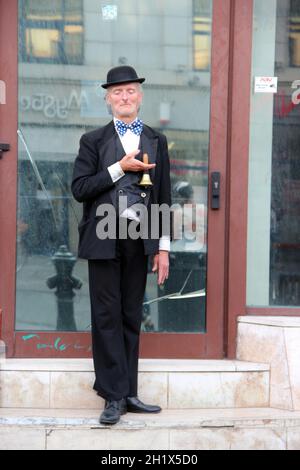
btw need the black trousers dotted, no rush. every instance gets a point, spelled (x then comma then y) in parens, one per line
(117, 288)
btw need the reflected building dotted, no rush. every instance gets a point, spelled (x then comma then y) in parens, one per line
(66, 48)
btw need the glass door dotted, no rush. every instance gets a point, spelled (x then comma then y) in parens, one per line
(65, 50)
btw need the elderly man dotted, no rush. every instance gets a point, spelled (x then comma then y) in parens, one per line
(110, 165)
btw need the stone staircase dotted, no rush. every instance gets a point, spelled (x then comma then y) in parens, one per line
(172, 384)
(217, 429)
(49, 404)
(222, 404)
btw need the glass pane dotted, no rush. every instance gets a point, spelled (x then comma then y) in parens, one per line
(42, 43)
(73, 10)
(166, 42)
(51, 32)
(40, 10)
(73, 43)
(274, 223)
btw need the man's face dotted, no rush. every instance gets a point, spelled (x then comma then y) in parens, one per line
(125, 100)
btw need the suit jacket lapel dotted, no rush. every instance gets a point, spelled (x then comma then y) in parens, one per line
(107, 148)
(107, 152)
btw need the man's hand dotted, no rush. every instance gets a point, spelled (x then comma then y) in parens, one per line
(161, 266)
(130, 163)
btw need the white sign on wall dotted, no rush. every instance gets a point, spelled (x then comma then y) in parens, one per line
(109, 12)
(266, 84)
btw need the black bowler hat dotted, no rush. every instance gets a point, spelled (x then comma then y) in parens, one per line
(122, 74)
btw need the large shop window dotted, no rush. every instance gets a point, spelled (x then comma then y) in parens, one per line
(59, 100)
(273, 277)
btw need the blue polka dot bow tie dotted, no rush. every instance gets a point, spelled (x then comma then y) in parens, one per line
(136, 127)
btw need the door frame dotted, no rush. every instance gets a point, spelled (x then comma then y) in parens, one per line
(230, 92)
(8, 169)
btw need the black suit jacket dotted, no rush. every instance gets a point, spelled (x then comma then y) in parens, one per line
(92, 185)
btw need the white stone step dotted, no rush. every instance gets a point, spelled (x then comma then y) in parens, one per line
(275, 340)
(173, 384)
(210, 429)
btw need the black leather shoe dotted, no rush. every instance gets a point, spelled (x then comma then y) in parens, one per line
(112, 411)
(134, 405)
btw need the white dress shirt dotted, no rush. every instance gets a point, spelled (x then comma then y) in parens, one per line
(130, 143)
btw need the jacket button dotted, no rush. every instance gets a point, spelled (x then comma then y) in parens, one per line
(120, 191)
(143, 194)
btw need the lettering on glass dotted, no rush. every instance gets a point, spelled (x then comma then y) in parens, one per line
(53, 107)
(56, 344)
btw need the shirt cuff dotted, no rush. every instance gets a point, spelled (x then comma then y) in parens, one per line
(164, 243)
(116, 172)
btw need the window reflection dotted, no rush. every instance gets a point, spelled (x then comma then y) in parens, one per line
(170, 43)
(51, 31)
(294, 36)
(202, 34)
(274, 215)
(37, 10)
(285, 225)
(42, 43)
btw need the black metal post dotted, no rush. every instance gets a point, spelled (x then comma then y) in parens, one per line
(64, 283)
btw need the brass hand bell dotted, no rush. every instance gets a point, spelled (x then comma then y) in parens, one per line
(146, 181)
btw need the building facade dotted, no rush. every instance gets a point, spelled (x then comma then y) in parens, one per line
(223, 84)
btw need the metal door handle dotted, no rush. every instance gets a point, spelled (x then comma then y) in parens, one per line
(215, 190)
(4, 148)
